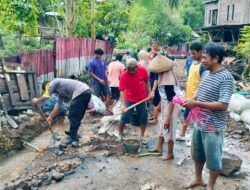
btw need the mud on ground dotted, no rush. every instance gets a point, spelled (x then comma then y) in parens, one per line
(101, 163)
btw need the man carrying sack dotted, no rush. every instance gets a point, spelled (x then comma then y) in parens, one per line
(132, 87)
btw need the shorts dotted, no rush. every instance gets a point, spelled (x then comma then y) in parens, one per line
(185, 113)
(207, 147)
(101, 90)
(141, 112)
(115, 93)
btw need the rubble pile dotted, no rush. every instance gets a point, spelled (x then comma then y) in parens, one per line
(40, 173)
(15, 129)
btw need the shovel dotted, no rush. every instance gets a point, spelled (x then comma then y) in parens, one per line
(56, 136)
(41, 149)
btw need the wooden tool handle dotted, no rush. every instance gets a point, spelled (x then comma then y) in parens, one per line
(132, 106)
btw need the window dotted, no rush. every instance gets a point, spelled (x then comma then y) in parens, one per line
(228, 9)
(214, 16)
(209, 18)
(233, 12)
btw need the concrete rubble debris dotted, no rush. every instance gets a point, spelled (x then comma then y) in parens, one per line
(230, 164)
(57, 176)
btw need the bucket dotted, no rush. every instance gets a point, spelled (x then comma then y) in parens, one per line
(131, 146)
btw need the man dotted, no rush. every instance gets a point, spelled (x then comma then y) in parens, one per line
(79, 94)
(48, 102)
(213, 96)
(194, 76)
(115, 70)
(97, 69)
(132, 87)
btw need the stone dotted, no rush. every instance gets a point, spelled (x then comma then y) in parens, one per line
(35, 183)
(57, 176)
(70, 172)
(230, 164)
(238, 131)
(237, 136)
(20, 184)
(60, 153)
(30, 112)
(23, 117)
(242, 188)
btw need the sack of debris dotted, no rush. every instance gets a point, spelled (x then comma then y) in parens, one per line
(234, 116)
(97, 105)
(239, 103)
(245, 116)
(160, 64)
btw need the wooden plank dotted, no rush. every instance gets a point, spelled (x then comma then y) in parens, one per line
(31, 86)
(22, 87)
(19, 103)
(37, 92)
(7, 77)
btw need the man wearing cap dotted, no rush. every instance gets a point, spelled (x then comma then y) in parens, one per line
(132, 87)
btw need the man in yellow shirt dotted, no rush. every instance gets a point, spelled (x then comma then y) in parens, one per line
(194, 78)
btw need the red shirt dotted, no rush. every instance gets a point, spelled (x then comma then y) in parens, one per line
(134, 85)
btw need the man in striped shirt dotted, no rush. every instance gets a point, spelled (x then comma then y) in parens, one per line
(213, 96)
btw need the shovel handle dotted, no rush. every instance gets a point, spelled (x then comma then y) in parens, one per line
(132, 106)
(45, 120)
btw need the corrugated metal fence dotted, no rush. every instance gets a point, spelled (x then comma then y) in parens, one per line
(40, 61)
(73, 54)
(71, 57)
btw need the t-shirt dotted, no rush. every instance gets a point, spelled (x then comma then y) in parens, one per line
(188, 64)
(115, 70)
(134, 85)
(67, 89)
(215, 87)
(98, 67)
(195, 72)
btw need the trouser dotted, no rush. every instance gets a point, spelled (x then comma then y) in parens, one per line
(77, 110)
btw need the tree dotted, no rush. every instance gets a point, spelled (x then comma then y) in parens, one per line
(19, 16)
(243, 47)
(193, 13)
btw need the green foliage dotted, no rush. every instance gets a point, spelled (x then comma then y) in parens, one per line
(193, 13)
(29, 44)
(243, 47)
(19, 15)
(150, 19)
(111, 17)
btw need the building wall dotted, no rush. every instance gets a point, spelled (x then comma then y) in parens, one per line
(226, 14)
(208, 7)
(241, 13)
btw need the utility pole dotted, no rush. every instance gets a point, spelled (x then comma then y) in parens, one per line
(93, 28)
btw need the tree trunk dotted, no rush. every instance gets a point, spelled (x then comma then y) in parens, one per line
(69, 17)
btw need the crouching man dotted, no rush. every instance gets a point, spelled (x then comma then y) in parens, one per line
(213, 96)
(79, 93)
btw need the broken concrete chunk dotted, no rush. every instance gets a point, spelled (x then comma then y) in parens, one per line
(30, 112)
(57, 176)
(230, 164)
(11, 122)
(237, 136)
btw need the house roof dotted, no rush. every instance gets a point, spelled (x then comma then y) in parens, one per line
(208, 1)
(232, 26)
